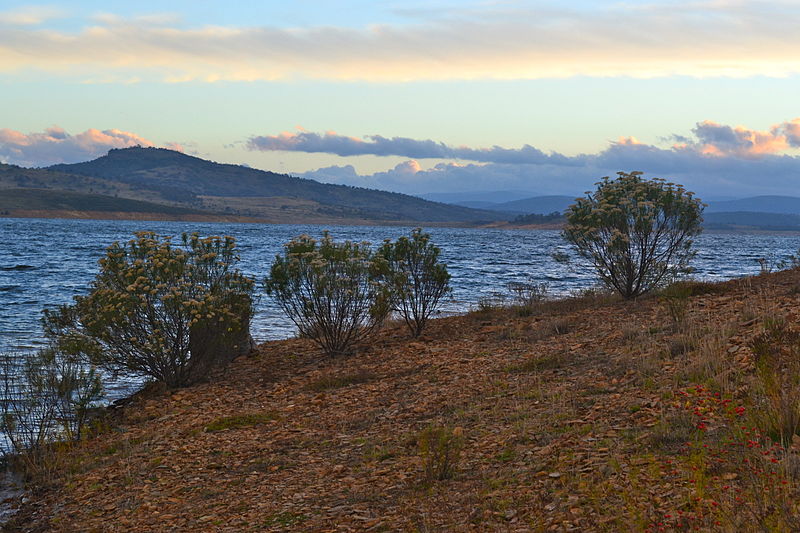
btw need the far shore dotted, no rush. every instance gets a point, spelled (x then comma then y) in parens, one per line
(322, 221)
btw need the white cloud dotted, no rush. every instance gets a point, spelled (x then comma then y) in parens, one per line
(500, 41)
(54, 145)
(29, 15)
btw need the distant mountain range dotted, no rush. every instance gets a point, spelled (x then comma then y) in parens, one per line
(171, 179)
(757, 212)
(744, 220)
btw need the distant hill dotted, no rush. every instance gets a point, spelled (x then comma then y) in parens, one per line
(540, 205)
(758, 204)
(751, 220)
(180, 179)
(474, 197)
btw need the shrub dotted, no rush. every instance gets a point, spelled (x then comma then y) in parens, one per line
(440, 449)
(46, 400)
(526, 295)
(418, 280)
(335, 293)
(636, 232)
(168, 312)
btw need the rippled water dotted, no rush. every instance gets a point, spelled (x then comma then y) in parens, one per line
(46, 262)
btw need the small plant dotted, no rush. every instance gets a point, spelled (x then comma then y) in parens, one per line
(335, 293)
(526, 295)
(168, 312)
(419, 281)
(681, 345)
(440, 449)
(637, 233)
(538, 364)
(241, 421)
(675, 298)
(46, 400)
(488, 303)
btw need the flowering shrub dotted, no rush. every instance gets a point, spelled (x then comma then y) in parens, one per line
(735, 477)
(335, 293)
(637, 233)
(168, 312)
(417, 278)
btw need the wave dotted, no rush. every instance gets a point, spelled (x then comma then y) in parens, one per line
(17, 267)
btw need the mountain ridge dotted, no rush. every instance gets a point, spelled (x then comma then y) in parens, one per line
(173, 178)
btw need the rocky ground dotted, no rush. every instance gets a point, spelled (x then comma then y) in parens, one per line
(577, 415)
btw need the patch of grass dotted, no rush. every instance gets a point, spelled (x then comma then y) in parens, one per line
(536, 364)
(506, 455)
(631, 333)
(673, 431)
(379, 453)
(680, 345)
(336, 382)
(241, 421)
(559, 326)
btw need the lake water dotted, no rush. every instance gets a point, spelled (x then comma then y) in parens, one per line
(45, 262)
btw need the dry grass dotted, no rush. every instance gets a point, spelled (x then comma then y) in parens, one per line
(334, 381)
(582, 431)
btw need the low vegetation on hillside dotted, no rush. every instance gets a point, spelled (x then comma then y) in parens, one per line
(671, 408)
(590, 414)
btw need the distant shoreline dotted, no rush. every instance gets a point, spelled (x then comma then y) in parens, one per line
(165, 217)
(240, 219)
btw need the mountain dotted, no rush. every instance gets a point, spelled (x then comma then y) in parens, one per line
(172, 178)
(758, 204)
(739, 220)
(476, 197)
(542, 205)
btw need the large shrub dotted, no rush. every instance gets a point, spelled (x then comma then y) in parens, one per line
(418, 280)
(168, 312)
(334, 292)
(637, 233)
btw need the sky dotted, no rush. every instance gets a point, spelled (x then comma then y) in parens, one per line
(540, 97)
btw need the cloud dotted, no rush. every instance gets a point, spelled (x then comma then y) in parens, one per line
(333, 143)
(54, 145)
(710, 138)
(29, 15)
(495, 40)
(791, 131)
(716, 160)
